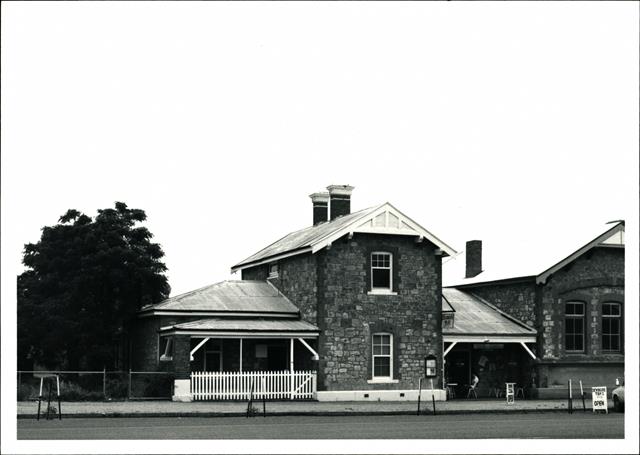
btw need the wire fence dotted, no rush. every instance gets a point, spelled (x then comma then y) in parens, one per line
(100, 385)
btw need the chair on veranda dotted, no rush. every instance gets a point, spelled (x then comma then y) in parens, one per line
(472, 388)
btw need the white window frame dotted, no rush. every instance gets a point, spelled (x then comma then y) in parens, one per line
(611, 317)
(379, 379)
(375, 290)
(582, 318)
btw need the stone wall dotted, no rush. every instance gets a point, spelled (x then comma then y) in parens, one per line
(297, 280)
(145, 342)
(517, 299)
(593, 278)
(348, 315)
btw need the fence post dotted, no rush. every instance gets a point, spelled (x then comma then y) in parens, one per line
(129, 383)
(104, 382)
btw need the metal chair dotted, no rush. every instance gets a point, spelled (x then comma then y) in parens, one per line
(472, 391)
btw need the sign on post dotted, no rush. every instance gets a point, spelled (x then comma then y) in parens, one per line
(510, 392)
(599, 399)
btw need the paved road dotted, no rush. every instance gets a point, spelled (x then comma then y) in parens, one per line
(537, 425)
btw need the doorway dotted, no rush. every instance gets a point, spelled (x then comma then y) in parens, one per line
(458, 365)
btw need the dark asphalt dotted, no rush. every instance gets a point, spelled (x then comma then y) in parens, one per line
(539, 425)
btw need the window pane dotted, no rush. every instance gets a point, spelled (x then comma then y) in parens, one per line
(615, 343)
(575, 308)
(578, 343)
(568, 325)
(377, 339)
(611, 309)
(381, 278)
(385, 339)
(386, 350)
(377, 350)
(381, 366)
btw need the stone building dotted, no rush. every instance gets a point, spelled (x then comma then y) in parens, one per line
(573, 305)
(355, 298)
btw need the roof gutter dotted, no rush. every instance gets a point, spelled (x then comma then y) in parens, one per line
(246, 265)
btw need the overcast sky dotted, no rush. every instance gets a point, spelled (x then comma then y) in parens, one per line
(504, 122)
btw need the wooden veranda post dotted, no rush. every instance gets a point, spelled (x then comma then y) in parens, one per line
(291, 367)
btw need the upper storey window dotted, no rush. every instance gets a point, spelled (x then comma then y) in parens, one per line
(381, 271)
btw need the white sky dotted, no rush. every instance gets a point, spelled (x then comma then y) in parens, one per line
(499, 121)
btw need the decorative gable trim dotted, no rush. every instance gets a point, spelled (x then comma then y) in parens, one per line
(386, 219)
(612, 237)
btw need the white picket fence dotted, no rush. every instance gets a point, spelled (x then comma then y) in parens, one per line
(270, 385)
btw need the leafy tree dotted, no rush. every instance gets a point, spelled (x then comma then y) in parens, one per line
(84, 282)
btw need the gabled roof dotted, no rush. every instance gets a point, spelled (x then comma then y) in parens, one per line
(381, 219)
(476, 317)
(613, 237)
(236, 297)
(534, 260)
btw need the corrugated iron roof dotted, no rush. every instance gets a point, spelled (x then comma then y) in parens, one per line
(474, 316)
(381, 219)
(230, 296)
(304, 238)
(245, 325)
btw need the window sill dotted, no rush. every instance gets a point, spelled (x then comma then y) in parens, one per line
(382, 381)
(381, 292)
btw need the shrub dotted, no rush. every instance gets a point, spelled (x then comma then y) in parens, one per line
(158, 386)
(27, 392)
(70, 391)
(117, 388)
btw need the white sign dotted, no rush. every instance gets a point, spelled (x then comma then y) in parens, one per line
(599, 399)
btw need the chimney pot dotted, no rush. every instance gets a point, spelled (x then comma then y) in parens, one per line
(340, 200)
(473, 259)
(320, 207)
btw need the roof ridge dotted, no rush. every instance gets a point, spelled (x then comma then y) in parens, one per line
(372, 208)
(184, 294)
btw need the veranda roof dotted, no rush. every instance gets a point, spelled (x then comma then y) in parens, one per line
(478, 321)
(249, 328)
(238, 297)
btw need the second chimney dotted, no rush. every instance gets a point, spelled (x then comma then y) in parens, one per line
(320, 207)
(340, 200)
(473, 258)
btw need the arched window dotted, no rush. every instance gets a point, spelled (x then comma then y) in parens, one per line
(611, 326)
(382, 351)
(574, 326)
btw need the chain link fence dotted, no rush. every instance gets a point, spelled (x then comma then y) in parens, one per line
(99, 385)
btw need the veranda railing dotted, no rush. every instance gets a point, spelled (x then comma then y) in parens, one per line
(269, 385)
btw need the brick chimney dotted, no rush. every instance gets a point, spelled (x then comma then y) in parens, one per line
(473, 258)
(340, 200)
(320, 207)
